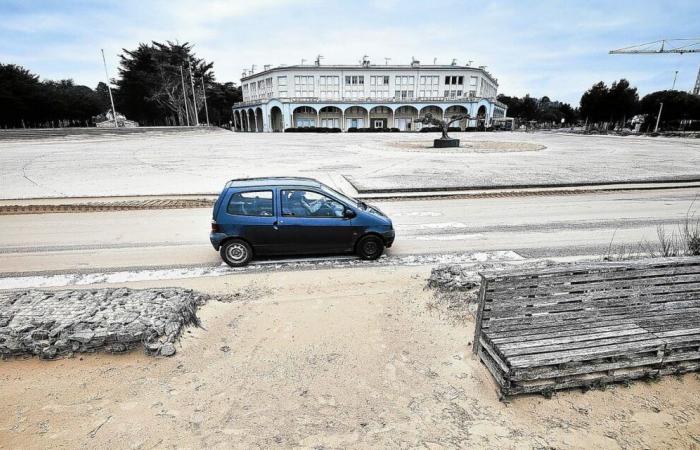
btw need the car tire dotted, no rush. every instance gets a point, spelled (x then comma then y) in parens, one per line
(370, 247)
(236, 253)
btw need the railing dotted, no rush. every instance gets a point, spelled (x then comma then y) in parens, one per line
(366, 100)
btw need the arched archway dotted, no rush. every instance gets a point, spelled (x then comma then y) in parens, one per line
(380, 117)
(455, 110)
(481, 117)
(244, 120)
(276, 119)
(436, 111)
(356, 117)
(304, 116)
(330, 117)
(404, 117)
(251, 120)
(259, 120)
(236, 121)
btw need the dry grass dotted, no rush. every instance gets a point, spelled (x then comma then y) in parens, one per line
(684, 240)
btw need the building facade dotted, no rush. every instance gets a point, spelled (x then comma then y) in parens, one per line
(365, 96)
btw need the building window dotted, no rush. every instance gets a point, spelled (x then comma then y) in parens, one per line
(281, 81)
(472, 81)
(354, 80)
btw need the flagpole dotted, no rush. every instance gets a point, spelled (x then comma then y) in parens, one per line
(111, 99)
(184, 96)
(204, 94)
(194, 98)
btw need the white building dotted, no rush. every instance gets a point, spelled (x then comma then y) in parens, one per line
(365, 96)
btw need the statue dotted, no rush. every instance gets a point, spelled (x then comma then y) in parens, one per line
(445, 140)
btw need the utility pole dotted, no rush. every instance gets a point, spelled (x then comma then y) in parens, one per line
(658, 118)
(184, 96)
(204, 94)
(194, 98)
(111, 99)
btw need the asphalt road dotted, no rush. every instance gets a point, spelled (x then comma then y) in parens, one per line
(534, 226)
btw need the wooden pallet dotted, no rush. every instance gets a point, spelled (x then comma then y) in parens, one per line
(583, 325)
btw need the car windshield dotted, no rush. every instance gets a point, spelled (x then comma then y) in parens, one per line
(341, 197)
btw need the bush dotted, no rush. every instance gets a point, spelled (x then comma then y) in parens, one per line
(371, 130)
(312, 130)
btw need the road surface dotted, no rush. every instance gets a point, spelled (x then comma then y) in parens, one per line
(533, 226)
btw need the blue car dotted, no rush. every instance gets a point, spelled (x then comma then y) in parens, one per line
(292, 216)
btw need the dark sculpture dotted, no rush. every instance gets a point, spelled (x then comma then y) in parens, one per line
(445, 140)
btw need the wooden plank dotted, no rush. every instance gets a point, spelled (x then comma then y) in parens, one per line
(589, 338)
(562, 371)
(551, 350)
(588, 380)
(488, 348)
(508, 282)
(535, 290)
(479, 315)
(657, 320)
(621, 313)
(502, 382)
(584, 354)
(573, 331)
(649, 263)
(508, 302)
(599, 304)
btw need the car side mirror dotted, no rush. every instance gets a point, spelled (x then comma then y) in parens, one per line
(349, 213)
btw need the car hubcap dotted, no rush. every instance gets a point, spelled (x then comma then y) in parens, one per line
(370, 248)
(236, 252)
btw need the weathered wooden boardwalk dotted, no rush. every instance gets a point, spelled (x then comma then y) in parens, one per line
(585, 325)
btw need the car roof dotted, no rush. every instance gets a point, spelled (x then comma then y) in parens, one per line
(273, 181)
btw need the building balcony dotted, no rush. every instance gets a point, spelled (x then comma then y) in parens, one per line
(356, 100)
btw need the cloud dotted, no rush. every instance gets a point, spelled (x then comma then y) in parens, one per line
(542, 48)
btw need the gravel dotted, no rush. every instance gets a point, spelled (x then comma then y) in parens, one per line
(49, 324)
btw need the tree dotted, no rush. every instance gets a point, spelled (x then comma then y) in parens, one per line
(220, 99)
(623, 101)
(19, 90)
(614, 104)
(678, 105)
(27, 102)
(150, 87)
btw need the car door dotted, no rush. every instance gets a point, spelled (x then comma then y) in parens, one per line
(312, 222)
(251, 214)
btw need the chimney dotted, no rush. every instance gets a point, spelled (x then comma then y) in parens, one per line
(414, 62)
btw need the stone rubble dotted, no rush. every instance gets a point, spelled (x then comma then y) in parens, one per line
(49, 324)
(454, 277)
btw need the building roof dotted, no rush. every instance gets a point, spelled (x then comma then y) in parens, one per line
(267, 181)
(369, 67)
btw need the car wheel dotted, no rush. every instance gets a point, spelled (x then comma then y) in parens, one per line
(370, 247)
(236, 253)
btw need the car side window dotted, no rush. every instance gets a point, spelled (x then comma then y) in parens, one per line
(251, 203)
(299, 203)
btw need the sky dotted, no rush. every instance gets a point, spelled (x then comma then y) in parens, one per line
(553, 48)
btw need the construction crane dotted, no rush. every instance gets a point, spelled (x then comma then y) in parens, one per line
(679, 46)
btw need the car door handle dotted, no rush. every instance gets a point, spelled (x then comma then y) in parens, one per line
(274, 225)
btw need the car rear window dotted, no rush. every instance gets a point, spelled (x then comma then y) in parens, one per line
(251, 203)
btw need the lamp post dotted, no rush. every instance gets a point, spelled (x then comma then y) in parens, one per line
(204, 95)
(658, 118)
(111, 99)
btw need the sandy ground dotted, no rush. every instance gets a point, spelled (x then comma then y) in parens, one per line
(361, 358)
(192, 163)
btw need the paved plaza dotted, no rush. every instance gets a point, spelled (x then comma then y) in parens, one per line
(200, 162)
